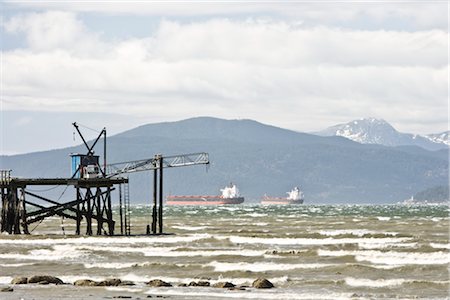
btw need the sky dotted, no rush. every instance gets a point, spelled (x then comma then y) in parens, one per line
(299, 65)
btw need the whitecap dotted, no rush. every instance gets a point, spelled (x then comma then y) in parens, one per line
(173, 252)
(255, 215)
(5, 279)
(391, 257)
(59, 252)
(440, 246)
(208, 293)
(357, 232)
(190, 228)
(262, 266)
(110, 240)
(16, 265)
(106, 265)
(363, 282)
(311, 241)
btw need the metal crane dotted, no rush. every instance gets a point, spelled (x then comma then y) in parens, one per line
(158, 162)
(172, 161)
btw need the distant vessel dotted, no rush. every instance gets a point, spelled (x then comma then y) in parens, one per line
(409, 201)
(230, 195)
(295, 196)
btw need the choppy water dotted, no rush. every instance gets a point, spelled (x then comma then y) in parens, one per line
(308, 252)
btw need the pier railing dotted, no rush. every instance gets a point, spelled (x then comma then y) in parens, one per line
(5, 176)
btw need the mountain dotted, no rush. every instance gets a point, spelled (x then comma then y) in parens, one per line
(260, 159)
(437, 194)
(378, 131)
(440, 138)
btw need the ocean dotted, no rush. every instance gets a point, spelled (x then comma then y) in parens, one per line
(306, 251)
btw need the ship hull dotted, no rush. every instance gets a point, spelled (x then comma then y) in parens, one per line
(280, 201)
(202, 200)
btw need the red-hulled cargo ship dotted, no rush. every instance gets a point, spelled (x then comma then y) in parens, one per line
(230, 195)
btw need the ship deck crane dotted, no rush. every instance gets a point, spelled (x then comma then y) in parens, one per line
(158, 162)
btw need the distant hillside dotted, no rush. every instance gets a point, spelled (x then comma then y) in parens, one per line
(378, 131)
(260, 159)
(435, 194)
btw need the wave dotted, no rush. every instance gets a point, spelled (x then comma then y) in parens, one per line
(190, 228)
(109, 240)
(59, 252)
(309, 241)
(174, 252)
(255, 215)
(262, 266)
(16, 265)
(388, 246)
(392, 258)
(440, 246)
(116, 265)
(362, 282)
(209, 293)
(379, 283)
(355, 232)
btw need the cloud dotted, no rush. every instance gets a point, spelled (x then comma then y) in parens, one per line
(415, 15)
(279, 72)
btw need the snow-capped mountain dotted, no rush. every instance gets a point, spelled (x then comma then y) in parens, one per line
(378, 131)
(440, 138)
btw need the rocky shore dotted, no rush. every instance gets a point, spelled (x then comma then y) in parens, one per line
(259, 283)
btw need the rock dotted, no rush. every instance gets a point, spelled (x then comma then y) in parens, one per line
(127, 283)
(203, 283)
(224, 285)
(158, 283)
(43, 282)
(48, 278)
(123, 297)
(85, 282)
(262, 283)
(109, 282)
(199, 283)
(7, 289)
(19, 280)
(182, 284)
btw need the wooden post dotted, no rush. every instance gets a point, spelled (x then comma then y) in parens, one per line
(109, 215)
(23, 211)
(160, 195)
(155, 193)
(4, 203)
(99, 212)
(78, 213)
(89, 212)
(120, 209)
(16, 211)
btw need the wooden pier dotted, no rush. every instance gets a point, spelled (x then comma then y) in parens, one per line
(92, 202)
(93, 185)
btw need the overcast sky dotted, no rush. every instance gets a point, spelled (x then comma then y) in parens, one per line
(297, 65)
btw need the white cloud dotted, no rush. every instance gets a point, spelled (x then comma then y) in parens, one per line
(273, 71)
(415, 14)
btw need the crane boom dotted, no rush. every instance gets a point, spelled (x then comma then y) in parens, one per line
(172, 161)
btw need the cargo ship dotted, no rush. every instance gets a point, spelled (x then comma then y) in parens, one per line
(295, 196)
(230, 195)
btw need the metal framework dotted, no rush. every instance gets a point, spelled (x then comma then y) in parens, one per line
(173, 161)
(158, 162)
